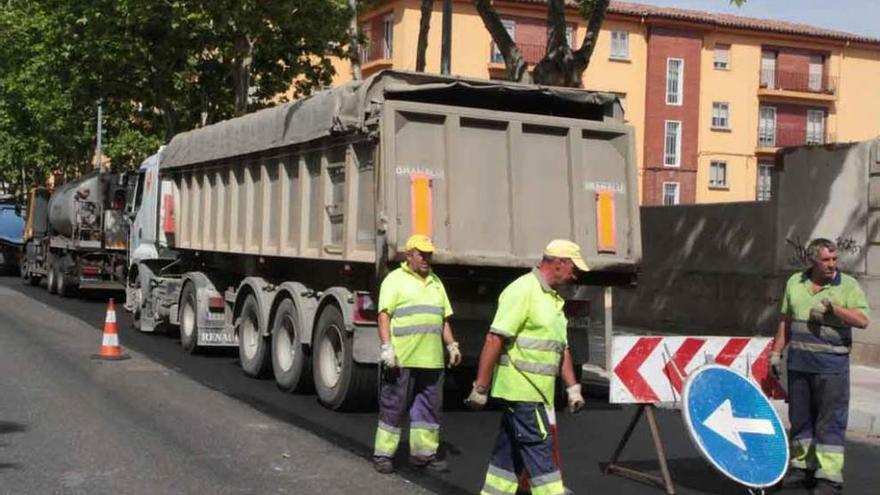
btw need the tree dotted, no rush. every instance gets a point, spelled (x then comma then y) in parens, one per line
(561, 65)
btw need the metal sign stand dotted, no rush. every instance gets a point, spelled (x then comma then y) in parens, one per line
(613, 468)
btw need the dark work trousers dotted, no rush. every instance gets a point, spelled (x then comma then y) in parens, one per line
(419, 392)
(525, 441)
(818, 409)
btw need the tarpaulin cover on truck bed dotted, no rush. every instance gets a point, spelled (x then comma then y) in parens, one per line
(354, 106)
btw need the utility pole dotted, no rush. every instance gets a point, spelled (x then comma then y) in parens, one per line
(446, 41)
(98, 152)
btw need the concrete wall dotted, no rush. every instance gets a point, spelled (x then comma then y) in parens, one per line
(720, 269)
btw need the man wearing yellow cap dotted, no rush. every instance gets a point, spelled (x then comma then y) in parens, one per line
(525, 350)
(414, 313)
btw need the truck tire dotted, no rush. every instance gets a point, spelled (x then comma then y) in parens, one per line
(253, 347)
(290, 364)
(65, 285)
(339, 381)
(52, 279)
(189, 320)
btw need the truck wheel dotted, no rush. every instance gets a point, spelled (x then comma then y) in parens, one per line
(340, 382)
(291, 365)
(52, 279)
(189, 327)
(64, 283)
(252, 346)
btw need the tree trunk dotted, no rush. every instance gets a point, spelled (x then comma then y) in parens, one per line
(517, 68)
(354, 46)
(594, 11)
(244, 49)
(553, 69)
(424, 27)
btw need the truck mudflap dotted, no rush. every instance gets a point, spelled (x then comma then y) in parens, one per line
(213, 331)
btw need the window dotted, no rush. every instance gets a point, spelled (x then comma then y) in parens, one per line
(765, 171)
(670, 193)
(718, 174)
(817, 67)
(672, 154)
(720, 115)
(768, 69)
(815, 127)
(366, 45)
(388, 39)
(722, 56)
(767, 127)
(620, 45)
(674, 81)
(510, 27)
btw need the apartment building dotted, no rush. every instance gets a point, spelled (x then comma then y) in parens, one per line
(712, 97)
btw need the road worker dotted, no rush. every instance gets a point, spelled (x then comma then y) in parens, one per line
(524, 351)
(414, 313)
(819, 308)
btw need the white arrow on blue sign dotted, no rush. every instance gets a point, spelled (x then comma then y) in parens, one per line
(734, 426)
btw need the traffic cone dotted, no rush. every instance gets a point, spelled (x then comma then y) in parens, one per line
(110, 348)
(524, 486)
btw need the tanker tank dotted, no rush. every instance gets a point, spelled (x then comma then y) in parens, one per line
(77, 205)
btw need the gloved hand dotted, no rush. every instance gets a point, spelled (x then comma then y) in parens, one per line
(575, 399)
(386, 355)
(454, 354)
(820, 309)
(776, 364)
(477, 398)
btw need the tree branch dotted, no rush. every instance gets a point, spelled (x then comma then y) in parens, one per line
(424, 27)
(594, 11)
(517, 68)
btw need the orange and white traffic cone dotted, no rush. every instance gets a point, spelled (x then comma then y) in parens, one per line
(110, 348)
(524, 486)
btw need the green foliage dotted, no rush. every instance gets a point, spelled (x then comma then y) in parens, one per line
(157, 67)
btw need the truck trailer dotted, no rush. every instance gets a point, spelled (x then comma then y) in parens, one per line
(272, 231)
(76, 236)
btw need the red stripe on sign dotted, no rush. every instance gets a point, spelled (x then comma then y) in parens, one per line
(761, 374)
(628, 369)
(674, 370)
(731, 350)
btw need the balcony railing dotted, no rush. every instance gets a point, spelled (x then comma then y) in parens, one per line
(798, 81)
(784, 136)
(370, 52)
(532, 54)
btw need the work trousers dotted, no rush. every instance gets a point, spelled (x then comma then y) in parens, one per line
(421, 392)
(818, 409)
(524, 442)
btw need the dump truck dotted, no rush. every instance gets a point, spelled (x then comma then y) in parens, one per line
(272, 231)
(76, 236)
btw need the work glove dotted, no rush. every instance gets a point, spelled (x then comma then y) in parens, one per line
(776, 364)
(454, 354)
(386, 355)
(575, 399)
(820, 309)
(477, 399)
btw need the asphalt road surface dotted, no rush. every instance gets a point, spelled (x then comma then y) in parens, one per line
(174, 436)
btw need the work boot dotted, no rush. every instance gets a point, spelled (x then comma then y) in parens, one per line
(383, 465)
(797, 478)
(433, 465)
(825, 487)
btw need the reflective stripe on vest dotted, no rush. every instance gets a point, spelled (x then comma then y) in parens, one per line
(540, 344)
(417, 329)
(418, 309)
(815, 337)
(530, 367)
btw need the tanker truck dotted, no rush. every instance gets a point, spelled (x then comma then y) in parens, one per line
(271, 232)
(76, 236)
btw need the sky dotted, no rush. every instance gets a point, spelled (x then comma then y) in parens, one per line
(853, 16)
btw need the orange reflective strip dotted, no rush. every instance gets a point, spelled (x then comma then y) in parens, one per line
(168, 224)
(422, 204)
(606, 230)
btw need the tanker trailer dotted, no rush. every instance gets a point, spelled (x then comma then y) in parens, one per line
(84, 244)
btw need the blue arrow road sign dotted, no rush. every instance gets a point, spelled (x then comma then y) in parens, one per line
(734, 426)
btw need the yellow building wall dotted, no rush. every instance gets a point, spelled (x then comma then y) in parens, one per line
(858, 106)
(738, 86)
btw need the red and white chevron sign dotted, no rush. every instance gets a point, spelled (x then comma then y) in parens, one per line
(647, 370)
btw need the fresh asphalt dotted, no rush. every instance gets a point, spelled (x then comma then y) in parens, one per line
(587, 439)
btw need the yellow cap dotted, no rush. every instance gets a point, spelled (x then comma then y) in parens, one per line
(421, 242)
(563, 248)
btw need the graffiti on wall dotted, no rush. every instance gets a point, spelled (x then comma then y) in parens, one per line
(798, 256)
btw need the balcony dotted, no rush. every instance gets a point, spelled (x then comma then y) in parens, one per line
(797, 84)
(770, 138)
(374, 57)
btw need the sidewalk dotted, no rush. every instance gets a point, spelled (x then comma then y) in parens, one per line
(864, 408)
